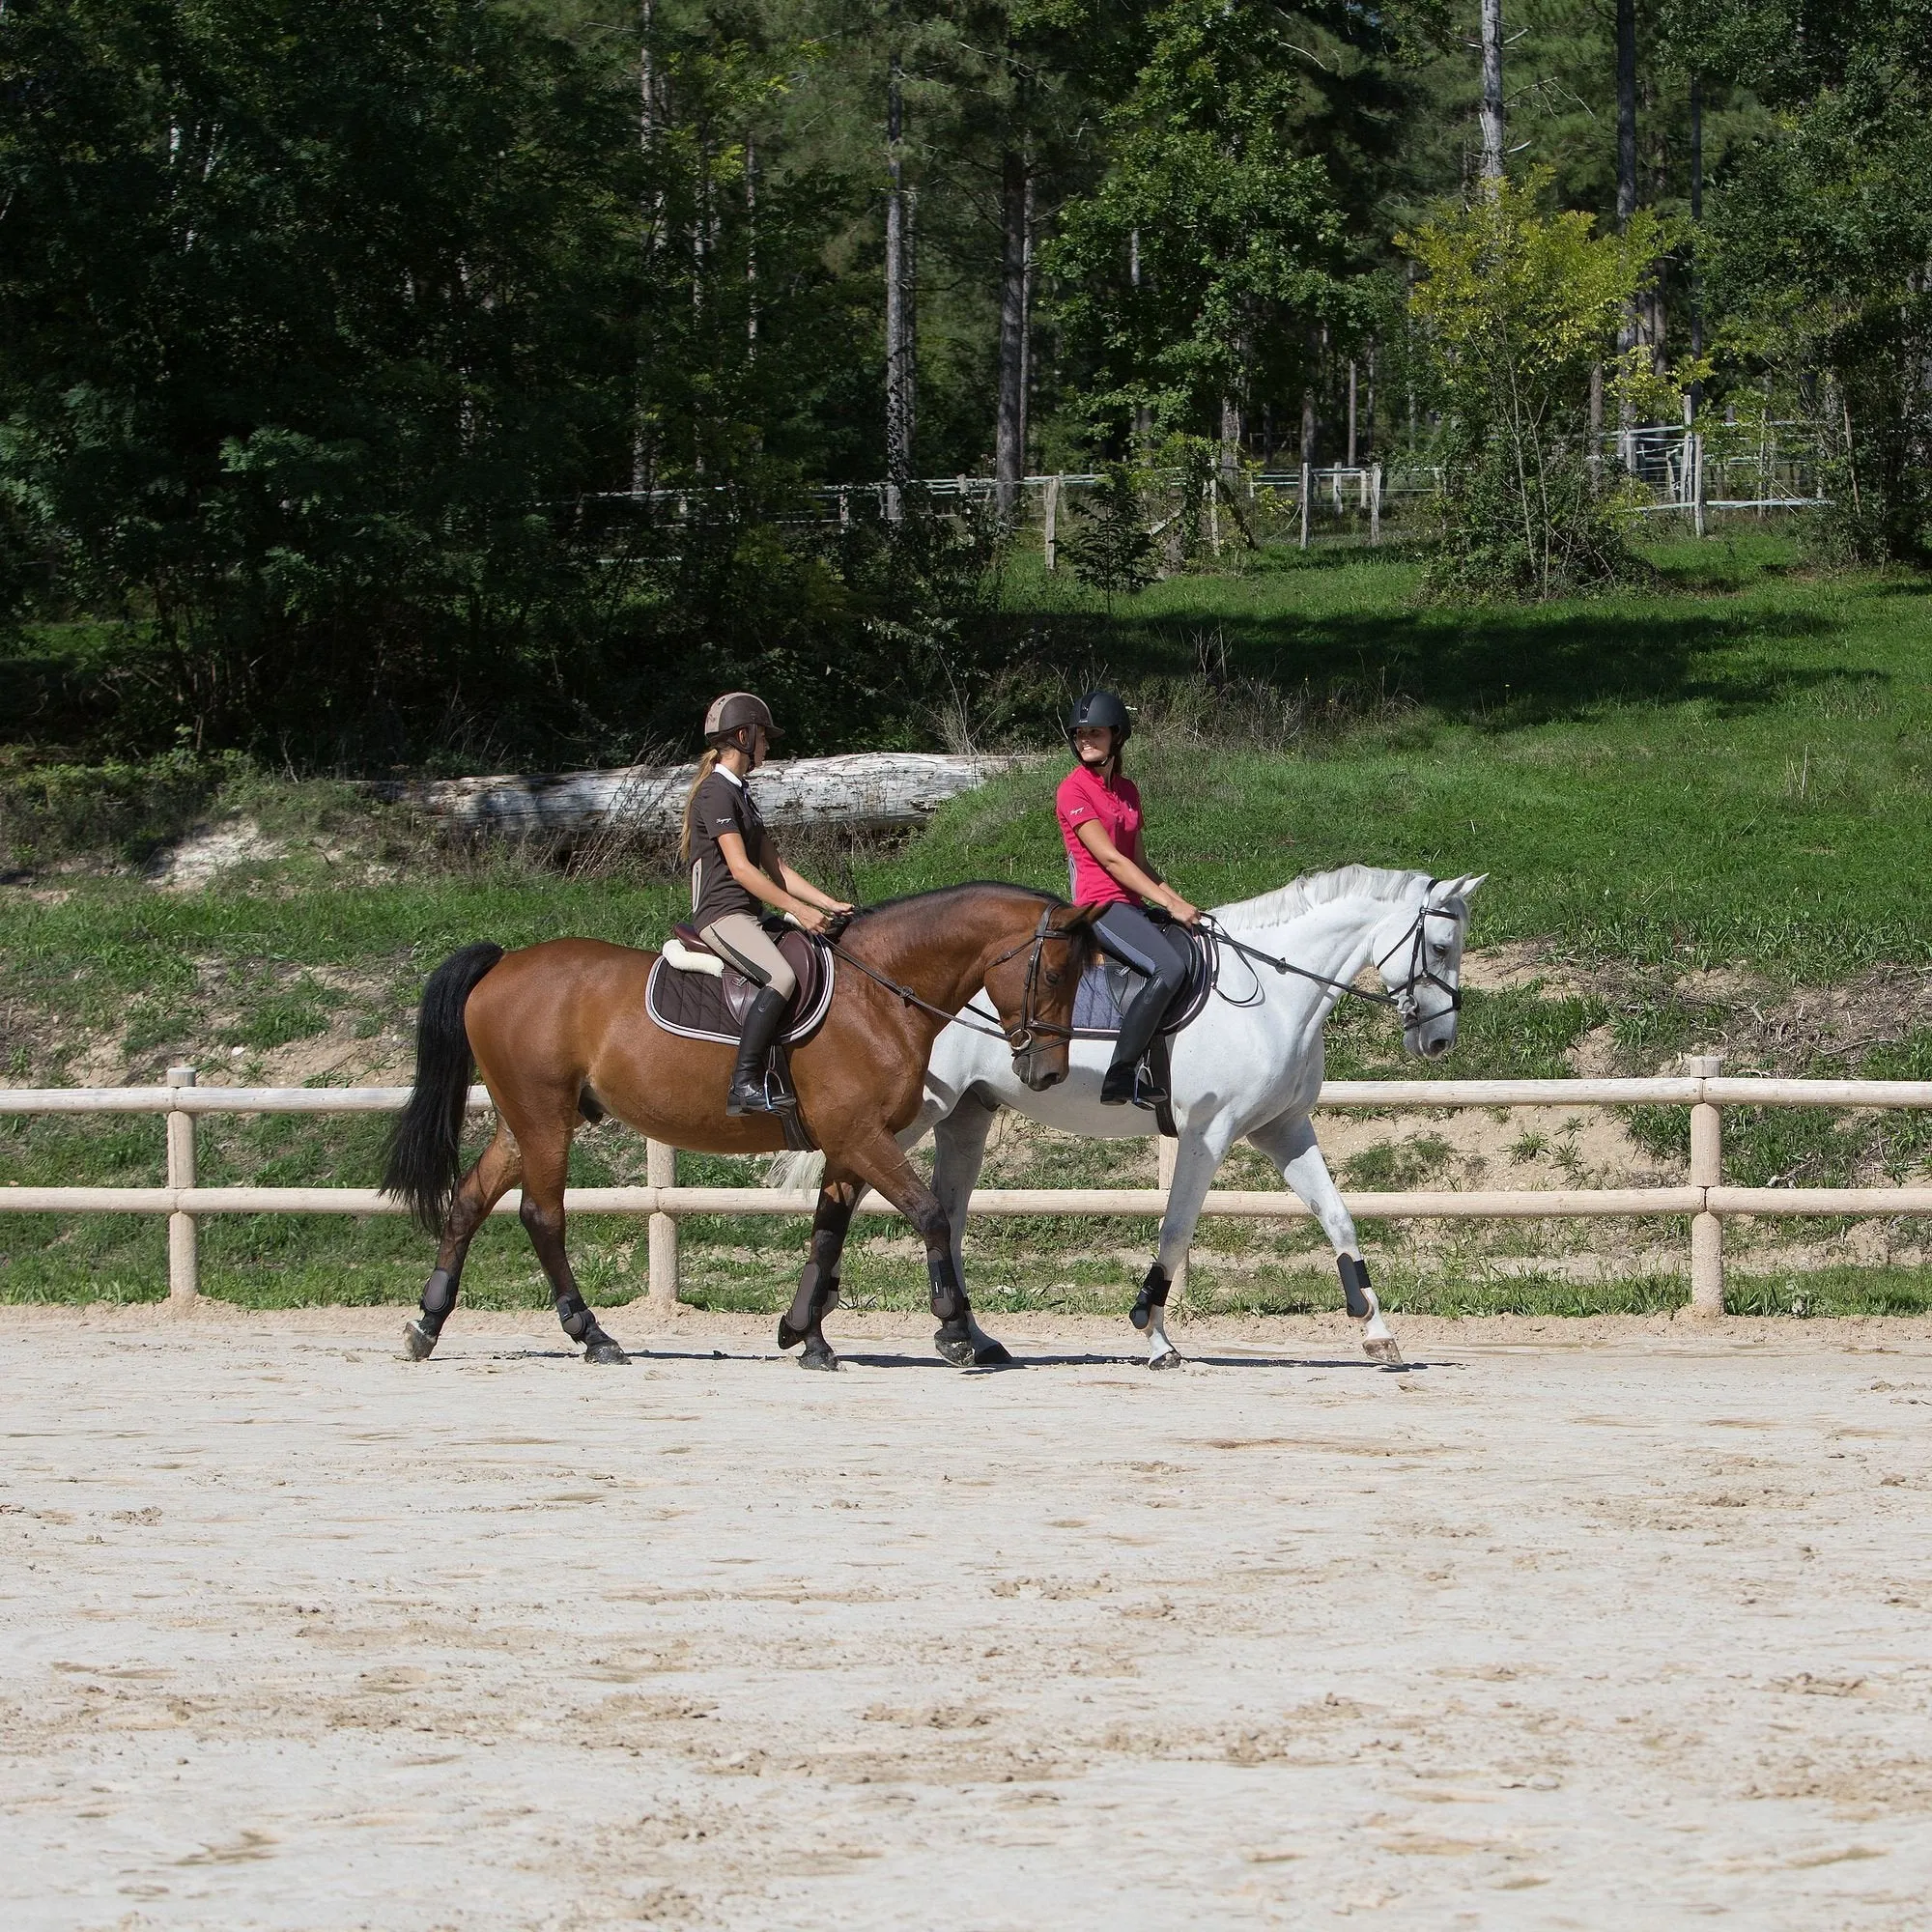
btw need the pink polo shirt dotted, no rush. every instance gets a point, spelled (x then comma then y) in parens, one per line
(1114, 804)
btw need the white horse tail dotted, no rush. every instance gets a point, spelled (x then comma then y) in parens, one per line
(796, 1171)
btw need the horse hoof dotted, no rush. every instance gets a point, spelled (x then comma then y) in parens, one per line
(991, 1354)
(819, 1356)
(958, 1348)
(419, 1341)
(789, 1336)
(1173, 1359)
(1385, 1350)
(604, 1351)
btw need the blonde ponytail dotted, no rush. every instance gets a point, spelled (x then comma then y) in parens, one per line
(706, 765)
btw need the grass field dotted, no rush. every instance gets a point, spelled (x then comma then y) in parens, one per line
(1696, 801)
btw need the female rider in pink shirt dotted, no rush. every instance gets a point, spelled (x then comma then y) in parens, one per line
(1099, 813)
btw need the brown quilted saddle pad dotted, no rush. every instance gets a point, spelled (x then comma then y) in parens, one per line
(705, 1006)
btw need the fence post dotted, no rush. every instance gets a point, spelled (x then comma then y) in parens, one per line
(1697, 482)
(1052, 519)
(1208, 490)
(1376, 503)
(183, 1244)
(1707, 1170)
(661, 1171)
(1307, 476)
(1169, 1154)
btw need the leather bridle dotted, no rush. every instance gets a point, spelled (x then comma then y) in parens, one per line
(1019, 1037)
(1402, 998)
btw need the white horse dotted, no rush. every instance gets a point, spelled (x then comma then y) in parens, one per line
(1250, 1064)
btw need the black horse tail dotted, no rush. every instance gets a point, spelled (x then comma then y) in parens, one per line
(426, 1148)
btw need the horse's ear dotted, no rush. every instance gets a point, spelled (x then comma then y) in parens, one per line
(1083, 915)
(1465, 887)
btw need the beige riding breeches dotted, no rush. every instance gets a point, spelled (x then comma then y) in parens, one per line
(740, 938)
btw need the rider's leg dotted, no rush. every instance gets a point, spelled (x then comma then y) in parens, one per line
(1290, 1142)
(742, 940)
(1125, 933)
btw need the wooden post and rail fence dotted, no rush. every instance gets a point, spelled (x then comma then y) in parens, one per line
(1703, 1197)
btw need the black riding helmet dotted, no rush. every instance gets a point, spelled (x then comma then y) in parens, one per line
(1101, 709)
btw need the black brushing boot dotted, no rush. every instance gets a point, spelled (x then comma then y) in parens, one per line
(751, 1090)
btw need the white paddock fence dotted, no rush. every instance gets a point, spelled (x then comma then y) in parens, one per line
(1703, 1197)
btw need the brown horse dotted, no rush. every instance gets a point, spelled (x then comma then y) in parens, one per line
(560, 1030)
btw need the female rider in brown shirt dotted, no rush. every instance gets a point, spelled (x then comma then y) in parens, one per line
(734, 868)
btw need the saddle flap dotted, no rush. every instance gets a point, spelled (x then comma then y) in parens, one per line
(806, 960)
(1109, 986)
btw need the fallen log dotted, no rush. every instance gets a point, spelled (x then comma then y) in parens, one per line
(862, 791)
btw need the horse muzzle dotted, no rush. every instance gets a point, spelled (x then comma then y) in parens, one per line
(1037, 1070)
(1432, 1038)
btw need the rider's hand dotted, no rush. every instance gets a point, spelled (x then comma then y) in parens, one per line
(808, 917)
(1182, 910)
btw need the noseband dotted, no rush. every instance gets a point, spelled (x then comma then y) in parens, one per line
(1420, 972)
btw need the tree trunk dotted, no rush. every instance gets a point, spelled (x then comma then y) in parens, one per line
(1142, 416)
(901, 367)
(1010, 427)
(865, 789)
(1351, 413)
(1492, 90)
(750, 249)
(1696, 222)
(1626, 193)
(643, 453)
(1026, 326)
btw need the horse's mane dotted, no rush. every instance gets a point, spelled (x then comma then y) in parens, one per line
(1319, 888)
(941, 892)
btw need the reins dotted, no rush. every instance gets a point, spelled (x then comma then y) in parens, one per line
(1020, 1037)
(1402, 998)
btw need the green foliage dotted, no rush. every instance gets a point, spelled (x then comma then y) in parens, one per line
(1517, 306)
(309, 317)
(1109, 547)
(1819, 251)
(51, 811)
(1209, 250)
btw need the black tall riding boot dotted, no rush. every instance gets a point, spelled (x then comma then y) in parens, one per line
(1138, 1025)
(752, 1092)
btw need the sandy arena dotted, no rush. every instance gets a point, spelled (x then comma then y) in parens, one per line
(1588, 1624)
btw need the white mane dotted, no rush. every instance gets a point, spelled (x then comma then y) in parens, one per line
(1318, 888)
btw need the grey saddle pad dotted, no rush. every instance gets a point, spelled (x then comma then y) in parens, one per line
(1107, 989)
(703, 1005)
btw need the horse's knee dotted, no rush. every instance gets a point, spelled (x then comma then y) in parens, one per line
(541, 1223)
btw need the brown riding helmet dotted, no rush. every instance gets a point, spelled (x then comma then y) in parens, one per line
(733, 713)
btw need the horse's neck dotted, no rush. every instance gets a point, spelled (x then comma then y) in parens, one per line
(1335, 940)
(928, 962)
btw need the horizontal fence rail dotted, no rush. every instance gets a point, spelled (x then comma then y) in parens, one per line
(1703, 1198)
